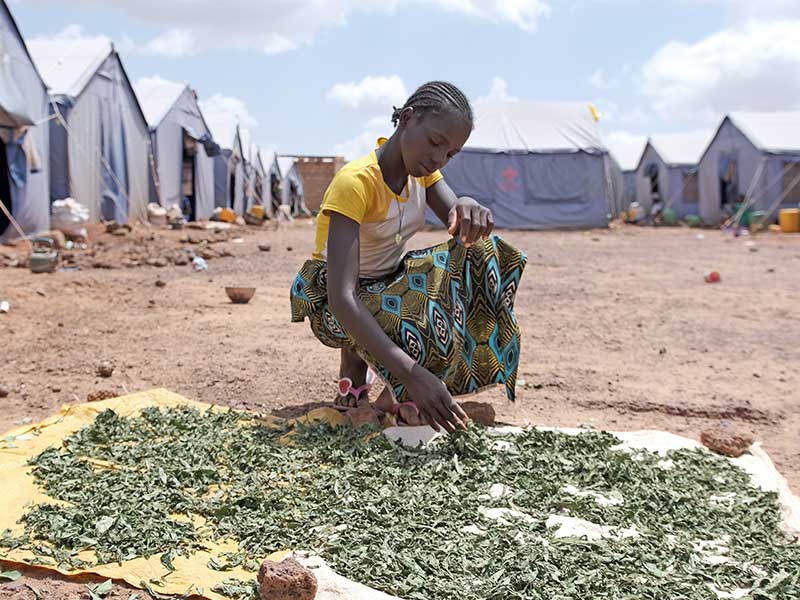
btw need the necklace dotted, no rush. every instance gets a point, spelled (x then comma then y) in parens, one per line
(398, 239)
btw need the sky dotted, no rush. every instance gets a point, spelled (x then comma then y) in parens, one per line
(320, 77)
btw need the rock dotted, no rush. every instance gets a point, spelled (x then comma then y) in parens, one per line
(102, 264)
(4, 391)
(160, 262)
(160, 283)
(120, 232)
(55, 389)
(726, 441)
(286, 580)
(265, 247)
(363, 415)
(208, 253)
(480, 412)
(181, 261)
(105, 370)
(289, 248)
(99, 395)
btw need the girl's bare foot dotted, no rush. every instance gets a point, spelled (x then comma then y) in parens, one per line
(407, 413)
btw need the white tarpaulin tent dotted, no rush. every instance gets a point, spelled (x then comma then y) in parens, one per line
(538, 165)
(99, 144)
(24, 136)
(754, 157)
(668, 167)
(182, 147)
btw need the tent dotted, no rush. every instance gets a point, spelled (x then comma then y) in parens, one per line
(538, 165)
(99, 142)
(24, 136)
(754, 157)
(258, 182)
(182, 147)
(292, 185)
(230, 176)
(668, 168)
(274, 189)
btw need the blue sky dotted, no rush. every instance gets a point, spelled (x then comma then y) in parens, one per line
(320, 76)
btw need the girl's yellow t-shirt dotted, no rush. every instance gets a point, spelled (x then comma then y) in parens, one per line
(359, 192)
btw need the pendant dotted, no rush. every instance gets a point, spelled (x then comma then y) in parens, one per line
(398, 239)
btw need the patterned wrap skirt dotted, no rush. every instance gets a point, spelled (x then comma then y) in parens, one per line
(449, 307)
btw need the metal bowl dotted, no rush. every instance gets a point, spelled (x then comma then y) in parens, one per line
(240, 295)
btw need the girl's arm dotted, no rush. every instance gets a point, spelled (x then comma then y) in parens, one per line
(428, 392)
(463, 216)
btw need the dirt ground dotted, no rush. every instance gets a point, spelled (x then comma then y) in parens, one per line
(620, 332)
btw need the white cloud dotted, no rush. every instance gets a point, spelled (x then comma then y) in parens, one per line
(599, 80)
(174, 43)
(364, 142)
(525, 14)
(223, 113)
(626, 147)
(71, 33)
(274, 26)
(498, 92)
(370, 92)
(748, 9)
(755, 66)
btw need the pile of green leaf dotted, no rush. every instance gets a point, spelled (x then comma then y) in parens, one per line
(393, 518)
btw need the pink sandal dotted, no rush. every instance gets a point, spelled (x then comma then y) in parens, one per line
(346, 388)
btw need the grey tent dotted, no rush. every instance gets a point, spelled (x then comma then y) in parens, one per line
(258, 187)
(668, 168)
(230, 177)
(292, 186)
(182, 147)
(753, 157)
(538, 165)
(275, 191)
(24, 136)
(628, 188)
(99, 142)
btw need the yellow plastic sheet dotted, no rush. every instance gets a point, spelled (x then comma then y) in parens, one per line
(19, 491)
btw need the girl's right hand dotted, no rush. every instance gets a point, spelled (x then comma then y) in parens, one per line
(435, 404)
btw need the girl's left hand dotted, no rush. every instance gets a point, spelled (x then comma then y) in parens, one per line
(470, 221)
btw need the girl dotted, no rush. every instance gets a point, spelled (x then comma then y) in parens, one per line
(433, 323)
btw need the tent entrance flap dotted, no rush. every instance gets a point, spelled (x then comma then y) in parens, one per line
(188, 181)
(5, 188)
(728, 183)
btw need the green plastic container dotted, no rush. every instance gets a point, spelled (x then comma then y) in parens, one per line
(693, 221)
(669, 217)
(746, 216)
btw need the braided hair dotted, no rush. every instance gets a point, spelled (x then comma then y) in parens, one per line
(437, 97)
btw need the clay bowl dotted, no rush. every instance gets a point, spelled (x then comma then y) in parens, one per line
(240, 295)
